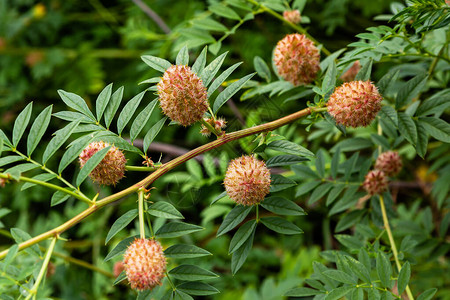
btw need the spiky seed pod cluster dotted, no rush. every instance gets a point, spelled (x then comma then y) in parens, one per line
(111, 169)
(389, 162)
(247, 180)
(182, 95)
(145, 264)
(218, 124)
(375, 182)
(351, 73)
(118, 268)
(355, 103)
(292, 16)
(297, 59)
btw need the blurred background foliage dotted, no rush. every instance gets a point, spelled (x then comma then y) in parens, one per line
(81, 46)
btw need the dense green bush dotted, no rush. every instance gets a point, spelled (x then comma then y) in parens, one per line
(327, 229)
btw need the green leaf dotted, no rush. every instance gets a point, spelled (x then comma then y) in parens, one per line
(306, 187)
(41, 177)
(437, 103)
(10, 159)
(179, 295)
(76, 102)
(437, 128)
(329, 80)
(211, 70)
(222, 77)
(407, 127)
(262, 68)
(239, 256)
(302, 292)
(422, 139)
(209, 164)
(58, 140)
(200, 62)
(1, 147)
(38, 129)
(349, 241)
(334, 193)
(197, 288)
(120, 248)
(102, 101)
(284, 160)
(191, 273)
(185, 251)
(12, 252)
(128, 111)
(194, 169)
(282, 206)
(21, 123)
(141, 120)
(403, 277)
(164, 209)
(224, 11)
(289, 147)
(340, 276)
(21, 236)
(122, 276)
(176, 229)
(5, 139)
(233, 218)
(183, 57)
(410, 90)
(335, 163)
(91, 164)
(230, 91)
(73, 116)
(242, 234)
(279, 183)
(427, 295)
(59, 197)
(281, 225)
(359, 269)
(121, 223)
(339, 292)
(389, 113)
(387, 80)
(152, 133)
(320, 192)
(209, 24)
(156, 63)
(366, 70)
(19, 169)
(384, 270)
(320, 164)
(113, 106)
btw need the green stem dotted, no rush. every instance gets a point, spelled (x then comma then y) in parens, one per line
(392, 242)
(50, 186)
(149, 222)
(224, 139)
(48, 255)
(141, 213)
(292, 25)
(257, 213)
(140, 169)
(435, 61)
(170, 282)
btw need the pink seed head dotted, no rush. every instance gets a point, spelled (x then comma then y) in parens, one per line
(375, 182)
(389, 162)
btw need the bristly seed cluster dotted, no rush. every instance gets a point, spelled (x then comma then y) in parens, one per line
(111, 169)
(182, 95)
(389, 162)
(297, 59)
(145, 264)
(375, 182)
(292, 16)
(355, 103)
(247, 180)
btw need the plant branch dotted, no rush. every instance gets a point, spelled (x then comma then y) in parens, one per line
(141, 213)
(48, 255)
(392, 242)
(164, 169)
(152, 15)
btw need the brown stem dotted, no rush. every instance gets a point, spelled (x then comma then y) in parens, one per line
(164, 169)
(154, 16)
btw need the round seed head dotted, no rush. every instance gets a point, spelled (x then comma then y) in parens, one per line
(389, 162)
(145, 264)
(247, 180)
(111, 169)
(182, 95)
(355, 103)
(292, 16)
(297, 59)
(375, 182)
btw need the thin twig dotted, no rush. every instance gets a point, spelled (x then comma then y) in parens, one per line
(154, 16)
